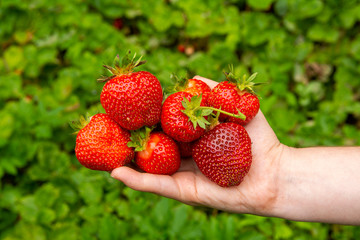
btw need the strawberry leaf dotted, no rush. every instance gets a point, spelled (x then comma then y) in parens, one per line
(196, 100)
(185, 103)
(195, 111)
(178, 84)
(206, 112)
(79, 124)
(252, 77)
(105, 78)
(139, 138)
(243, 83)
(201, 124)
(125, 66)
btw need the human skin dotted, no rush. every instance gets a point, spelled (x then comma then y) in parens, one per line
(320, 184)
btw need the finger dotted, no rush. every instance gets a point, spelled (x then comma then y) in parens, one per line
(209, 82)
(163, 185)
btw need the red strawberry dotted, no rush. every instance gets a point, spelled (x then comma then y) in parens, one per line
(181, 48)
(101, 144)
(156, 152)
(118, 23)
(197, 87)
(223, 154)
(235, 95)
(176, 123)
(132, 99)
(185, 149)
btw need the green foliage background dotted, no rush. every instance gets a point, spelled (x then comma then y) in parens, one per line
(51, 53)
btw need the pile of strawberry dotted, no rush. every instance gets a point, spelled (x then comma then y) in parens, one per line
(155, 132)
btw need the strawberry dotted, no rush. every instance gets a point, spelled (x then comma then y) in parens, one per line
(184, 116)
(101, 144)
(234, 95)
(223, 154)
(175, 123)
(185, 149)
(118, 23)
(155, 152)
(132, 99)
(181, 48)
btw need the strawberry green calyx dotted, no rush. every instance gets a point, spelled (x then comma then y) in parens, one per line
(79, 124)
(243, 83)
(125, 66)
(139, 138)
(180, 84)
(197, 113)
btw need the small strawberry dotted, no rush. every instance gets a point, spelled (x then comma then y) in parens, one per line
(132, 99)
(184, 116)
(223, 154)
(235, 94)
(181, 48)
(155, 152)
(101, 144)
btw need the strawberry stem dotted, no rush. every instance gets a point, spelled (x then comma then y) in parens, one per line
(239, 115)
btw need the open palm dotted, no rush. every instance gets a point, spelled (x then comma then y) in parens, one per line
(256, 194)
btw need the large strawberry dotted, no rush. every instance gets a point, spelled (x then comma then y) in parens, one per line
(155, 152)
(101, 144)
(132, 99)
(234, 95)
(223, 154)
(184, 116)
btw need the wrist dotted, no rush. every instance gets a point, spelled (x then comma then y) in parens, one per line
(270, 202)
(281, 203)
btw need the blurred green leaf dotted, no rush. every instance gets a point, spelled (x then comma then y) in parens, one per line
(10, 87)
(14, 57)
(261, 5)
(179, 220)
(161, 211)
(110, 228)
(6, 126)
(29, 209)
(282, 231)
(319, 32)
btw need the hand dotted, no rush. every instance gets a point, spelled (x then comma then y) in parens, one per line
(257, 194)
